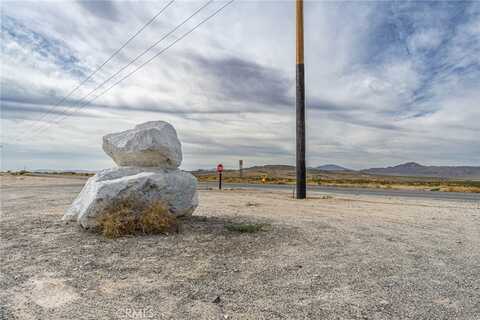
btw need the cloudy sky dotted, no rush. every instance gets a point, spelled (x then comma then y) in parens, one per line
(386, 82)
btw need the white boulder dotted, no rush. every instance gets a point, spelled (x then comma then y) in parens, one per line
(150, 144)
(177, 189)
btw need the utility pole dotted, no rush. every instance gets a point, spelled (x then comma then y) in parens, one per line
(300, 106)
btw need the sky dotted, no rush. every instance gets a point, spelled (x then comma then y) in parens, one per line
(386, 82)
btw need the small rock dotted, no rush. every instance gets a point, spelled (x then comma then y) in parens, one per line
(217, 300)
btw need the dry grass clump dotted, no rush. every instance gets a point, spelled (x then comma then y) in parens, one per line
(245, 227)
(463, 189)
(130, 217)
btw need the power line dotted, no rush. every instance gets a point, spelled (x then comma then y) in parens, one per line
(51, 109)
(159, 53)
(138, 57)
(156, 55)
(147, 50)
(149, 22)
(148, 61)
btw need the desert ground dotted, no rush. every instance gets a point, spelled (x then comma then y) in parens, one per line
(328, 257)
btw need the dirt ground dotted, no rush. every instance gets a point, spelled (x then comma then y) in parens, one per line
(340, 257)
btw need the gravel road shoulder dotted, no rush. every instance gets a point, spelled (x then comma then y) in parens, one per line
(328, 257)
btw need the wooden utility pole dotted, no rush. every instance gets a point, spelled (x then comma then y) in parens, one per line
(300, 106)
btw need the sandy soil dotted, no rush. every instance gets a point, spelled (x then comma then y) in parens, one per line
(339, 257)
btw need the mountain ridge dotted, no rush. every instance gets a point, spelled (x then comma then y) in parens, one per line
(332, 167)
(407, 169)
(419, 170)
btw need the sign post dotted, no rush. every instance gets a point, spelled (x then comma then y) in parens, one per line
(219, 171)
(240, 167)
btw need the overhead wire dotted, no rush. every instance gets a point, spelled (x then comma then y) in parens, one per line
(65, 115)
(90, 76)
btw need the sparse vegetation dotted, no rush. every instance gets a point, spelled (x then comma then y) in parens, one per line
(252, 204)
(19, 173)
(245, 227)
(46, 174)
(285, 175)
(129, 217)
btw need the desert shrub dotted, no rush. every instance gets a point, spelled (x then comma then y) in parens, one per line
(157, 219)
(245, 227)
(130, 217)
(252, 204)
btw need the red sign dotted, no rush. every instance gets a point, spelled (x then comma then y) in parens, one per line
(220, 168)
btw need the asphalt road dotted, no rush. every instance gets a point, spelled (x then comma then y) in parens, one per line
(433, 195)
(429, 195)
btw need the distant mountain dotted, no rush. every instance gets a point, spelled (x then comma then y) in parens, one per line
(331, 167)
(409, 169)
(62, 171)
(415, 169)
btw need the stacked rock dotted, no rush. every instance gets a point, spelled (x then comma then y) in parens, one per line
(148, 157)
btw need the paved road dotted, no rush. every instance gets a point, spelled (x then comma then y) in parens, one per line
(459, 196)
(475, 197)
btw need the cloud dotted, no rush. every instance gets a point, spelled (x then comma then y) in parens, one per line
(395, 81)
(103, 9)
(19, 40)
(233, 79)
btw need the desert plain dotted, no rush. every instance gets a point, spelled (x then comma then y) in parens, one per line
(332, 256)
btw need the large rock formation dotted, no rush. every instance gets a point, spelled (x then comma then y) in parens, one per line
(150, 144)
(149, 156)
